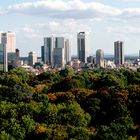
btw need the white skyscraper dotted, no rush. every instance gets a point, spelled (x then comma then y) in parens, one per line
(9, 39)
(83, 46)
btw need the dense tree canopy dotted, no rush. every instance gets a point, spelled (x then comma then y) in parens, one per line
(57, 105)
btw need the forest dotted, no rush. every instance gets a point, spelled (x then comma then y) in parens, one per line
(70, 105)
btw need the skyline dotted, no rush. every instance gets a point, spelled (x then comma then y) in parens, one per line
(32, 20)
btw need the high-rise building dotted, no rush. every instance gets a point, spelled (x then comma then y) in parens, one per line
(55, 51)
(49, 44)
(59, 58)
(32, 58)
(9, 39)
(100, 63)
(43, 54)
(18, 58)
(83, 46)
(11, 60)
(118, 53)
(67, 51)
(59, 52)
(3, 58)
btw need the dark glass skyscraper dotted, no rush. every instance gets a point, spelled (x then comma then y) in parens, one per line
(118, 53)
(83, 46)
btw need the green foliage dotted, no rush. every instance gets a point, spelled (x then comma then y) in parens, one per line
(49, 77)
(66, 114)
(114, 131)
(67, 72)
(86, 105)
(19, 74)
(6, 136)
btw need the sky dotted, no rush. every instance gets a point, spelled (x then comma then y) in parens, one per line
(106, 20)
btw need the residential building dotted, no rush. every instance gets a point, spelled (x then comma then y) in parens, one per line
(9, 39)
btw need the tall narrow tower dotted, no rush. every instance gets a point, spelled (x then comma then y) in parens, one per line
(3, 58)
(49, 45)
(119, 53)
(83, 46)
(9, 39)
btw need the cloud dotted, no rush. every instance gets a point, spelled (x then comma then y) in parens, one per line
(124, 30)
(74, 9)
(130, 13)
(130, 0)
(61, 28)
(33, 34)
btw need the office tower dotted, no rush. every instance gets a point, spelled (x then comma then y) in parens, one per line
(3, 58)
(11, 60)
(32, 58)
(59, 57)
(118, 53)
(59, 52)
(49, 44)
(18, 58)
(67, 51)
(43, 54)
(55, 51)
(100, 58)
(83, 46)
(9, 39)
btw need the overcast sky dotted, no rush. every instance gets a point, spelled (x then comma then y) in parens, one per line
(106, 20)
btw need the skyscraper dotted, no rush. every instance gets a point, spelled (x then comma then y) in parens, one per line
(59, 52)
(32, 58)
(49, 44)
(67, 51)
(100, 58)
(83, 46)
(55, 51)
(3, 58)
(9, 39)
(17, 57)
(43, 54)
(119, 53)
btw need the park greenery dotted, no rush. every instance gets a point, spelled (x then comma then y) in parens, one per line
(70, 105)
